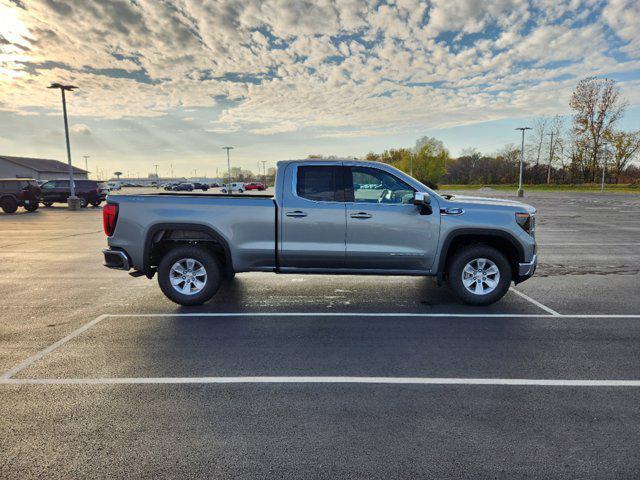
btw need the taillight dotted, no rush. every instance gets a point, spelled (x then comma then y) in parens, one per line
(109, 218)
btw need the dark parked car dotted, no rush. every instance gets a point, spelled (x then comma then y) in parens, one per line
(89, 192)
(19, 192)
(200, 186)
(183, 187)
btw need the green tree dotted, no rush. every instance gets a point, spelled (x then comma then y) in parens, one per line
(429, 161)
(626, 146)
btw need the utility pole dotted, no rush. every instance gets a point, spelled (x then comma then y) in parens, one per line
(264, 171)
(157, 178)
(551, 145)
(520, 190)
(72, 201)
(228, 167)
(171, 165)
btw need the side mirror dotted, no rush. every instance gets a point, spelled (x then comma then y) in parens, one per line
(423, 200)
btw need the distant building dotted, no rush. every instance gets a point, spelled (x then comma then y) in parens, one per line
(38, 168)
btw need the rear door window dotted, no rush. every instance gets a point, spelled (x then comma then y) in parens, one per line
(320, 183)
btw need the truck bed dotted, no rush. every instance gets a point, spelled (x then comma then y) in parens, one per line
(247, 223)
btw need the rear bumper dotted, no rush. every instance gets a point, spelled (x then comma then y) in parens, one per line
(527, 269)
(116, 259)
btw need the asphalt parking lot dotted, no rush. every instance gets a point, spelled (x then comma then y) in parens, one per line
(291, 376)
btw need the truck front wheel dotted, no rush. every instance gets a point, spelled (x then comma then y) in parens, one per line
(479, 275)
(189, 275)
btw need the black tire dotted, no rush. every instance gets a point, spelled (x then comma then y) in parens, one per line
(96, 203)
(9, 205)
(47, 204)
(240, 190)
(32, 207)
(83, 202)
(468, 254)
(211, 265)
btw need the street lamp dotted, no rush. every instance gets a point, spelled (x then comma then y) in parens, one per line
(86, 164)
(73, 201)
(264, 170)
(228, 168)
(604, 167)
(520, 191)
(157, 179)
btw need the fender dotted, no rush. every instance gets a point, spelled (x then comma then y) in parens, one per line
(485, 232)
(151, 233)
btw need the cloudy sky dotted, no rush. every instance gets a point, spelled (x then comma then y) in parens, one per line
(171, 82)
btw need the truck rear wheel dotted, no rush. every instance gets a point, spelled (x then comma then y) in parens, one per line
(189, 275)
(479, 275)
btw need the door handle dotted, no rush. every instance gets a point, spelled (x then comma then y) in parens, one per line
(360, 215)
(296, 214)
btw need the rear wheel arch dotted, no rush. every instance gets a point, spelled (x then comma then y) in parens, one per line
(163, 237)
(498, 239)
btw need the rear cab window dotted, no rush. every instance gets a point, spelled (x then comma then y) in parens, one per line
(321, 183)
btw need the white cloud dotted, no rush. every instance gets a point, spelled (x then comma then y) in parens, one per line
(278, 66)
(80, 129)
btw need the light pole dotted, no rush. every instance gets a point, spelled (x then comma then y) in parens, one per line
(86, 164)
(604, 167)
(520, 190)
(264, 171)
(228, 168)
(157, 178)
(72, 201)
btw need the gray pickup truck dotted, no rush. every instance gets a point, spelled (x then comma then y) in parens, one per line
(337, 217)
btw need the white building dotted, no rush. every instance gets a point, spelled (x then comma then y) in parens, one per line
(37, 168)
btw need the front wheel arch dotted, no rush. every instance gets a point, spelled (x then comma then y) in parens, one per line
(498, 239)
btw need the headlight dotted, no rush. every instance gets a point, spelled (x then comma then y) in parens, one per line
(527, 222)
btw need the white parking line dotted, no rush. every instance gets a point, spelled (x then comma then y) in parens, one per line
(334, 380)
(34, 358)
(536, 303)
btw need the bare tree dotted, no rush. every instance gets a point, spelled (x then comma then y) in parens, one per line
(555, 134)
(539, 132)
(597, 105)
(626, 146)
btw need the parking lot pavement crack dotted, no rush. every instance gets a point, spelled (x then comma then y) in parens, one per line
(550, 270)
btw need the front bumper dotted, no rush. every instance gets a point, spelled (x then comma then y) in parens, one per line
(116, 259)
(527, 269)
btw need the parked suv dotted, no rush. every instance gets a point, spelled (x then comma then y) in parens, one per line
(19, 192)
(58, 191)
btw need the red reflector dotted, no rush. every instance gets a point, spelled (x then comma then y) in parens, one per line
(109, 218)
